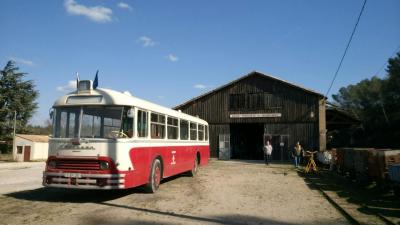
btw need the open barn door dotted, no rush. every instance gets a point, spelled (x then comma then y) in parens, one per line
(224, 146)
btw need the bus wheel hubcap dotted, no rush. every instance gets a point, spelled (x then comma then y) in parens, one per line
(157, 175)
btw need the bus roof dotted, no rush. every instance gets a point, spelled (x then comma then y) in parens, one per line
(107, 97)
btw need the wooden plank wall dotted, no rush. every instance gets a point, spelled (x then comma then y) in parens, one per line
(215, 130)
(295, 105)
(305, 133)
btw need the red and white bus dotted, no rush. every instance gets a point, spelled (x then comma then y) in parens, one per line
(104, 139)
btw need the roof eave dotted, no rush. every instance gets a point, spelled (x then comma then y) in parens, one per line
(244, 77)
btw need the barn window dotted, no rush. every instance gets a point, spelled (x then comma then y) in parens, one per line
(237, 101)
(19, 149)
(255, 101)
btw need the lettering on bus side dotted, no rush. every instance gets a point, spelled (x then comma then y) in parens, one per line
(173, 158)
(77, 147)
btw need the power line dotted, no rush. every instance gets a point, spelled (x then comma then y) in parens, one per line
(386, 61)
(347, 47)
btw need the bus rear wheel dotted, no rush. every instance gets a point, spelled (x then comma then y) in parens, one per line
(155, 177)
(195, 168)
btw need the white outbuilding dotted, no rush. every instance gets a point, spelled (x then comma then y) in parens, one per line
(30, 147)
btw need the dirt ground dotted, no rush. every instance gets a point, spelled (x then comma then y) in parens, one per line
(224, 192)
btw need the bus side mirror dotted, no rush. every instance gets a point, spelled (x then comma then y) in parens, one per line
(51, 113)
(130, 113)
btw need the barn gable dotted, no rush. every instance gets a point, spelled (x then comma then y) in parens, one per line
(267, 106)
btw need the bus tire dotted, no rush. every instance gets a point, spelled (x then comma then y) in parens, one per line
(155, 177)
(195, 168)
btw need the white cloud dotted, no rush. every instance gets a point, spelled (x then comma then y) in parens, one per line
(146, 41)
(97, 14)
(200, 86)
(23, 61)
(124, 5)
(68, 87)
(172, 58)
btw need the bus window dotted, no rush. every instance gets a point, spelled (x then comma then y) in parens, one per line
(206, 132)
(172, 128)
(201, 132)
(67, 122)
(127, 122)
(90, 126)
(193, 131)
(184, 130)
(142, 123)
(97, 122)
(157, 127)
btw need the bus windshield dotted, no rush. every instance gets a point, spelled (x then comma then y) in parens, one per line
(89, 122)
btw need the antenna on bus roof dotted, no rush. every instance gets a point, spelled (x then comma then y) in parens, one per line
(77, 80)
(96, 80)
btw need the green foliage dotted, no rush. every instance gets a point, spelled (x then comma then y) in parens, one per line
(376, 102)
(40, 130)
(16, 95)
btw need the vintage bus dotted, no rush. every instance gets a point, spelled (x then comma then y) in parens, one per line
(105, 139)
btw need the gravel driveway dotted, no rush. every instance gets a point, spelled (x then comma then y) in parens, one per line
(224, 192)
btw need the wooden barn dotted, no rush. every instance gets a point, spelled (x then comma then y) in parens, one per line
(247, 112)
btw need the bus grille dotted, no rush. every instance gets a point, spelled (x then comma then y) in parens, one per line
(78, 165)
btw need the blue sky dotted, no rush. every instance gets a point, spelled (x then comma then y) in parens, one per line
(171, 51)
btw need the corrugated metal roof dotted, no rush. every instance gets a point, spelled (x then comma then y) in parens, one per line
(34, 138)
(253, 73)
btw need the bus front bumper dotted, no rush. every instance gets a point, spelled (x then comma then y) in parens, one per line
(83, 180)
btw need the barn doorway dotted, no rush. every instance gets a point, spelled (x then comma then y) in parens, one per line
(280, 145)
(247, 141)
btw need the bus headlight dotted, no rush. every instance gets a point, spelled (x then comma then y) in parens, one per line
(104, 165)
(52, 164)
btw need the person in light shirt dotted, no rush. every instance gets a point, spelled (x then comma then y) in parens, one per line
(267, 152)
(297, 152)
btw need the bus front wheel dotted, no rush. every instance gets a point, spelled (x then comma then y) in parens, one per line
(155, 177)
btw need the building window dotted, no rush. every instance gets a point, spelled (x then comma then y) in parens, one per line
(157, 126)
(193, 131)
(19, 149)
(237, 101)
(172, 128)
(184, 130)
(255, 101)
(142, 123)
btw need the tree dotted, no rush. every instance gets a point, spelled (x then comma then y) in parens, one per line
(376, 102)
(16, 95)
(45, 129)
(392, 98)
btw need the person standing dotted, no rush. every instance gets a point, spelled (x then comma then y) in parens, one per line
(267, 152)
(297, 154)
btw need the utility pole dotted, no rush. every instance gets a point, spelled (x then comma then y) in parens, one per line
(15, 122)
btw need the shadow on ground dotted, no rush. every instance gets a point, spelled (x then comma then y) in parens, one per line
(371, 198)
(157, 217)
(48, 194)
